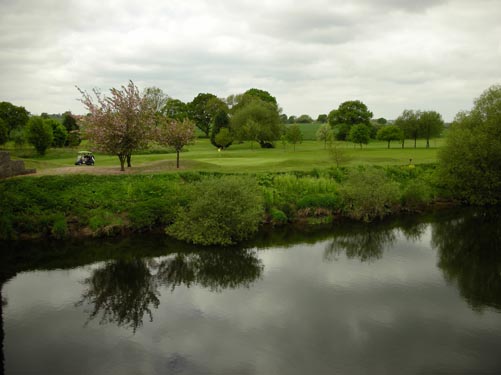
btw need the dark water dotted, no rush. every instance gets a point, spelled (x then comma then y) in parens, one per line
(414, 296)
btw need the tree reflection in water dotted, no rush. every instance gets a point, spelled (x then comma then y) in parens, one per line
(365, 243)
(469, 250)
(124, 291)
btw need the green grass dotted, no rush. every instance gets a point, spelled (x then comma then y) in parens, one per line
(242, 157)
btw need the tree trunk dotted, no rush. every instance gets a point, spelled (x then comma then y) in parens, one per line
(415, 141)
(403, 143)
(427, 142)
(122, 162)
(389, 144)
(177, 160)
(128, 160)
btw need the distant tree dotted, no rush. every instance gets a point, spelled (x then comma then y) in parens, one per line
(324, 134)
(352, 112)
(470, 161)
(294, 135)
(221, 121)
(175, 109)
(45, 115)
(224, 138)
(263, 95)
(39, 134)
(69, 121)
(338, 154)
(304, 119)
(202, 110)
(341, 131)
(430, 125)
(15, 117)
(156, 98)
(257, 121)
(4, 132)
(18, 136)
(408, 121)
(291, 119)
(58, 131)
(322, 118)
(359, 134)
(73, 139)
(381, 121)
(176, 134)
(389, 133)
(283, 118)
(119, 124)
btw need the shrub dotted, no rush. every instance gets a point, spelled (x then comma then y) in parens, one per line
(221, 211)
(278, 217)
(416, 193)
(368, 194)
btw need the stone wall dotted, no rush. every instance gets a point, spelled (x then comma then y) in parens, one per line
(10, 168)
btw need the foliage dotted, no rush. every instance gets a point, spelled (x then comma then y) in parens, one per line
(224, 138)
(351, 113)
(389, 133)
(18, 136)
(470, 162)
(338, 154)
(257, 121)
(294, 135)
(408, 122)
(4, 132)
(322, 118)
(175, 109)
(304, 119)
(359, 134)
(202, 110)
(221, 121)
(156, 98)
(39, 134)
(430, 125)
(342, 131)
(221, 211)
(15, 117)
(59, 132)
(119, 124)
(368, 194)
(73, 139)
(324, 134)
(69, 122)
(176, 134)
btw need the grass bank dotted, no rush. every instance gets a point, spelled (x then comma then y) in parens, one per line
(91, 205)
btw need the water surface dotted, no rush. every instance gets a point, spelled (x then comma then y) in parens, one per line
(420, 295)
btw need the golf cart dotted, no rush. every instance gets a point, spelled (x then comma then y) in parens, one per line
(85, 157)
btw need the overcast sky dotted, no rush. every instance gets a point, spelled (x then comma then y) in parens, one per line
(311, 55)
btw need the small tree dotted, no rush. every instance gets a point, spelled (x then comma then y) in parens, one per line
(360, 134)
(224, 138)
(176, 134)
(39, 134)
(324, 134)
(430, 125)
(69, 122)
(58, 131)
(408, 121)
(119, 124)
(389, 133)
(338, 154)
(294, 135)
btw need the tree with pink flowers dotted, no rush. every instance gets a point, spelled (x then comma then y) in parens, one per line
(119, 124)
(176, 134)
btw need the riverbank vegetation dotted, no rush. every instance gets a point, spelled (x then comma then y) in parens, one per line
(204, 207)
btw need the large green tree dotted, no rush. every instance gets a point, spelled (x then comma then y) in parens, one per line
(39, 134)
(349, 113)
(257, 121)
(175, 109)
(202, 110)
(15, 117)
(470, 161)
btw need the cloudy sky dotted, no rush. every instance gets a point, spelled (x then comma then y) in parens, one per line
(312, 55)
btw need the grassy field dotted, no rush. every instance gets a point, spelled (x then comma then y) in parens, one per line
(244, 157)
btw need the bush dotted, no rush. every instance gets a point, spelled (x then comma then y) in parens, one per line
(368, 194)
(221, 211)
(60, 227)
(416, 193)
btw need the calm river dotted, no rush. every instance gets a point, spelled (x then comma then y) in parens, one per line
(418, 295)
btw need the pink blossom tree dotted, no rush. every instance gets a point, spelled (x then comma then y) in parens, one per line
(119, 124)
(176, 134)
